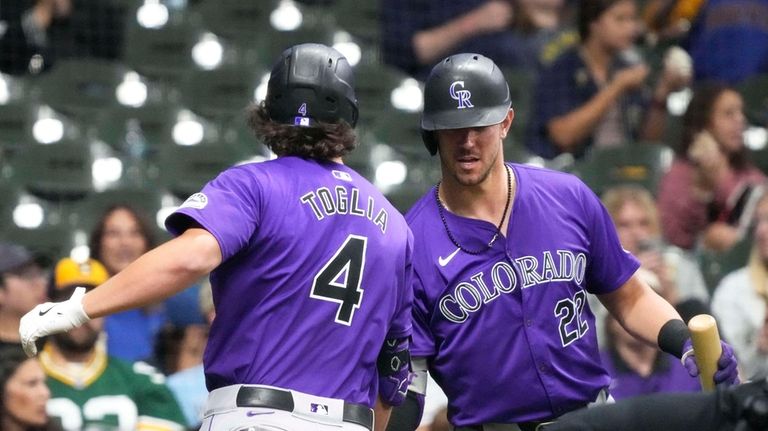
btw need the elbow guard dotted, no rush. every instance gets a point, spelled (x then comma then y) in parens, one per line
(394, 366)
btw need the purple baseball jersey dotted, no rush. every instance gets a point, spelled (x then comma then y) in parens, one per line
(315, 275)
(508, 333)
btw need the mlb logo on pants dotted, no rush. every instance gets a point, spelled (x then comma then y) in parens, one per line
(318, 408)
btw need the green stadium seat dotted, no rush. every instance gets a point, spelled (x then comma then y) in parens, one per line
(400, 130)
(521, 85)
(241, 22)
(56, 172)
(16, 121)
(360, 18)
(760, 158)
(138, 132)
(82, 88)
(423, 173)
(641, 163)
(220, 94)
(716, 265)
(374, 83)
(278, 41)
(184, 170)
(10, 193)
(52, 242)
(754, 90)
(163, 54)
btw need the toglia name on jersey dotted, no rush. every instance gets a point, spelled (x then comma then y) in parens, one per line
(340, 201)
(470, 295)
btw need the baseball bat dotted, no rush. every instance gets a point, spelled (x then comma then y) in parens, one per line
(706, 347)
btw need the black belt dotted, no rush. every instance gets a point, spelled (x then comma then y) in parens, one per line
(255, 396)
(524, 426)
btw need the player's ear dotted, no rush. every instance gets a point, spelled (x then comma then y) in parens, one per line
(506, 123)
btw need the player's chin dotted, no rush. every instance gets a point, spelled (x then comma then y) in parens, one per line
(469, 180)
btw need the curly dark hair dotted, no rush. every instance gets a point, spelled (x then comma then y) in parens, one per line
(326, 141)
(698, 117)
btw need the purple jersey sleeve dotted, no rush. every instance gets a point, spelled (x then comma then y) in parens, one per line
(228, 207)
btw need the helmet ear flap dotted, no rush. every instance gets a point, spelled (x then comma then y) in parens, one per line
(430, 141)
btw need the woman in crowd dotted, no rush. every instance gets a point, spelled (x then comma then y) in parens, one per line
(699, 196)
(24, 392)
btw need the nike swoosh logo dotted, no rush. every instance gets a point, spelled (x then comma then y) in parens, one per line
(444, 260)
(252, 413)
(43, 313)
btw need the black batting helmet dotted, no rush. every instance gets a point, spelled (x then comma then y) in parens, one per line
(309, 83)
(463, 90)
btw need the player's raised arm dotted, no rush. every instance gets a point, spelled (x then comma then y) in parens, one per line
(156, 275)
(159, 273)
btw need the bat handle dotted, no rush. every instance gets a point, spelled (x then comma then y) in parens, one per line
(706, 346)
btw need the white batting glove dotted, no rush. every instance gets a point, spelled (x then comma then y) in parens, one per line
(50, 318)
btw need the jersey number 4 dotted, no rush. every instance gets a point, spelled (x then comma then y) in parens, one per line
(340, 278)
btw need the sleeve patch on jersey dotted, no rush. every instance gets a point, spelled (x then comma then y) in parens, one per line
(197, 201)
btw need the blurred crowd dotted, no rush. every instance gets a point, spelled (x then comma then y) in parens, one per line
(603, 75)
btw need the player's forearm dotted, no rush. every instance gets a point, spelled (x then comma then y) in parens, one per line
(156, 275)
(640, 310)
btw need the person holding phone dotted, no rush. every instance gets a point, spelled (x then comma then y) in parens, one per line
(696, 195)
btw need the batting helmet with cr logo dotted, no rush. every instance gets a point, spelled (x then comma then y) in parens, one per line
(464, 90)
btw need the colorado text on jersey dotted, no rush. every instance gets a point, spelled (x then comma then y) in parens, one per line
(469, 295)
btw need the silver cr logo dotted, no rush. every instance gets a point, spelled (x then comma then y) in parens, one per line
(461, 95)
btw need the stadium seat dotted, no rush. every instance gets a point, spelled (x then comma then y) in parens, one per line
(220, 94)
(238, 133)
(50, 242)
(241, 22)
(278, 41)
(185, 169)
(82, 88)
(641, 163)
(56, 172)
(401, 130)
(138, 132)
(521, 85)
(163, 54)
(716, 265)
(10, 193)
(360, 18)
(374, 83)
(423, 173)
(16, 121)
(760, 158)
(754, 90)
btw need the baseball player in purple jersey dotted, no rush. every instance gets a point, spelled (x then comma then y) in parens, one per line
(505, 256)
(310, 269)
